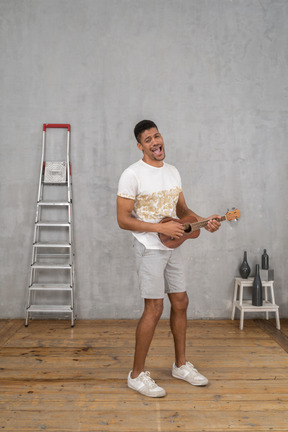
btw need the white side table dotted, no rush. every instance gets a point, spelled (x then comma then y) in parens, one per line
(246, 305)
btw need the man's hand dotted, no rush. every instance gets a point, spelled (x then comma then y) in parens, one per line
(172, 229)
(213, 224)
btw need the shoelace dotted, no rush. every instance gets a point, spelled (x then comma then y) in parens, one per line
(148, 380)
(191, 367)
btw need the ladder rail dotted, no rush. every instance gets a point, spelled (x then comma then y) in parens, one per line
(42, 167)
(68, 167)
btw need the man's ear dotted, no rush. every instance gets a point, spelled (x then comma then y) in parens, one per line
(139, 145)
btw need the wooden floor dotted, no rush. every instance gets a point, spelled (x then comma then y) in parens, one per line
(57, 378)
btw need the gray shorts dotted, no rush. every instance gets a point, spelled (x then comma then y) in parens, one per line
(159, 271)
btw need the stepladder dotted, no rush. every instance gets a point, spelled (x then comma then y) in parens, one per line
(51, 289)
(246, 306)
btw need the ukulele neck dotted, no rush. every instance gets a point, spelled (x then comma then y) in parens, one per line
(188, 227)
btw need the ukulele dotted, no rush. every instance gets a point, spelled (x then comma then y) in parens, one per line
(192, 228)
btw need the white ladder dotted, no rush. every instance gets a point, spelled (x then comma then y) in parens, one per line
(51, 285)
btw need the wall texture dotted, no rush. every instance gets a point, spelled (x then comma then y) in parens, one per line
(213, 74)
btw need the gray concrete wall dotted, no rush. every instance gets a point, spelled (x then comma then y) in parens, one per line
(212, 74)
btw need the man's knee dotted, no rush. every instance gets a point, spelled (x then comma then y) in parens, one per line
(179, 301)
(154, 307)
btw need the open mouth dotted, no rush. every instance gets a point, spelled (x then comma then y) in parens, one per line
(157, 150)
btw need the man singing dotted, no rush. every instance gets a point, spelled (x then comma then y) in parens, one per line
(150, 190)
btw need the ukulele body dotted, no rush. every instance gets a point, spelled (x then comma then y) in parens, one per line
(189, 233)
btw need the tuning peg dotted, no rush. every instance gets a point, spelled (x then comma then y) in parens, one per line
(233, 209)
(236, 219)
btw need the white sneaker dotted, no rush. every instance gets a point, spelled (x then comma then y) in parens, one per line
(188, 373)
(145, 385)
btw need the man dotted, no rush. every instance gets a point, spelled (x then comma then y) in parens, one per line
(148, 191)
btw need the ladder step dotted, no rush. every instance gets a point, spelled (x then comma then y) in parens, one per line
(52, 245)
(54, 183)
(51, 266)
(50, 308)
(50, 287)
(53, 203)
(52, 224)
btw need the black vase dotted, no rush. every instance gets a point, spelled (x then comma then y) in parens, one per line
(257, 296)
(244, 269)
(265, 260)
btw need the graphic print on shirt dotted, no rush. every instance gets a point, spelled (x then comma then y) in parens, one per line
(156, 206)
(155, 192)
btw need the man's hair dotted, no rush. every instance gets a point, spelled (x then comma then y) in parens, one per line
(142, 126)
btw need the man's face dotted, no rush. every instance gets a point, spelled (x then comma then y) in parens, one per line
(152, 145)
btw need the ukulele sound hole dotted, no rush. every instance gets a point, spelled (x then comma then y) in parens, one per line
(187, 228)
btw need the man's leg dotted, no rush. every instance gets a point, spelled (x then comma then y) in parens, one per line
(150, 264)
(178, 323)
(182, 369)
(144, 333)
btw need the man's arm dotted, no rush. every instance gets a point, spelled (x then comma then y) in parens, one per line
(127, 222)
(182, 211)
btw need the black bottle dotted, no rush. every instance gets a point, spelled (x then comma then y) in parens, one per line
(257, 296)
(265, 260)
(244, 269)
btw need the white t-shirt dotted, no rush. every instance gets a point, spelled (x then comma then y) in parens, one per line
(155, 191)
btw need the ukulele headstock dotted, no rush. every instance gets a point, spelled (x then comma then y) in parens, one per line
(233, 215)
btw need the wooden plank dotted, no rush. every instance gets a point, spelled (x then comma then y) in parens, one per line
(284, 326)
(158, 375)
(201, 351)
(8, 329)
(277, 335)
(121, 362)
(82, 365)
(118, 341)
(121, 405)
(234, 389)
(49, 396)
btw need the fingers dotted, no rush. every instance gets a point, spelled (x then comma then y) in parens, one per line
(178, 229)
(213, 224)
(173, 229)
